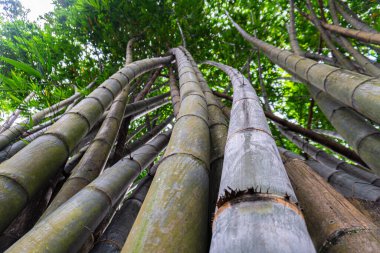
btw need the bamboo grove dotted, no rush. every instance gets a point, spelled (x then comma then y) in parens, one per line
(156, 159)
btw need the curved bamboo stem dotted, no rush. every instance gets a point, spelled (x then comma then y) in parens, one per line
(355, 90)
(68, 228)
(31, 168)
(174, 92)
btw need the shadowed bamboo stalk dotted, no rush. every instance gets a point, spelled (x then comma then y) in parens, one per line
(12, 118)
(257, 209)
(334, 224)
(130, 147)
(173, 217)
(13, 148)
(218, 125)
(328, 133)
(174, 91)
(329, 160)
(148, 86)
(361, 135)
(68, 227)
(31, 168)
(117, 232)
(358, 91)
(346, 184)
(96, 155)
(292, 31)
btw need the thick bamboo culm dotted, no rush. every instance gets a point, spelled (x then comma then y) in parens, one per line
(334, 223)
(174, 91)
(359, 134)
(218, 132)
(113, 238)
(257, 209)
(70, 226)
(329, 160)
(173, 217)
(22, 176)
(346, 184)
(358, 91)
(96, 155)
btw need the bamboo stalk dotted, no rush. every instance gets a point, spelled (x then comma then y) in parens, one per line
(173, 217)
(31, 168)
(361, 135)
(256, 208)
(292, 31)
(117, 232)
(329, 160)
(346, 184)
(218, 125)
(174, 91)
(68, 228)
(334, 224)
(129, 51)
(353, 89)
(12, 118)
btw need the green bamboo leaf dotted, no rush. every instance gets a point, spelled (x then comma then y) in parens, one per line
(22, 66)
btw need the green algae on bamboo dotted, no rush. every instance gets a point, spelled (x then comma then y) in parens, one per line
(257, 209)
(173, 217)
(22, 176)
(69, 226)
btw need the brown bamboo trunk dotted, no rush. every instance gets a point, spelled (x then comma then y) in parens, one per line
(334, 224)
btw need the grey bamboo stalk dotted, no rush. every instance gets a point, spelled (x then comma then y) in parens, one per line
(117, 232)
(96, 155)
(174, 91)
(344, 183)
(334, 223)
(41, 126)
(218, 131)
(364, 63)
(182, 34)
(129, 51)
(329, 160)
(31, 168)
(358, 91)
(147, 86)
(326, 38)
(255, 193)
(353, 20)
(181, 185)
(292, 31)
(12, 118)
(359, 134)
(13, 148)
(68, 228)
(130, 147)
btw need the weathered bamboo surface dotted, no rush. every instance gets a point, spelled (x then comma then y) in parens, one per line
(22, 176)
(255, 193)
(70, 226)
(173, 217)
(334, 224)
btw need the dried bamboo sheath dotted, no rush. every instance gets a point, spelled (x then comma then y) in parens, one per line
(68, 227)
(258, 213)
(173, 217)
(31, 168)
(334, 223)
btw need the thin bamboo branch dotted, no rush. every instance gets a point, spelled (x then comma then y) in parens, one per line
(292, 31)
(129, 51)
